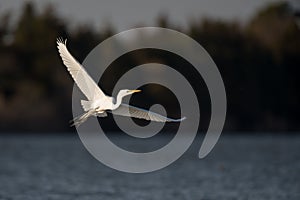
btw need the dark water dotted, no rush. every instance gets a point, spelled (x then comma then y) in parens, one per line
(240, 167)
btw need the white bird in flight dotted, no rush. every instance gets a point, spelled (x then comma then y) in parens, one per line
(98, 104)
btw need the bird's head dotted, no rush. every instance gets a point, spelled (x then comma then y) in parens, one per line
(126, 92)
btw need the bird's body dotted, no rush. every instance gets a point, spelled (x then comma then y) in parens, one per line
(98, 104)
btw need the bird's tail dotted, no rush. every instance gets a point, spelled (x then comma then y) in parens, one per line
(82, 118)
(86, 105)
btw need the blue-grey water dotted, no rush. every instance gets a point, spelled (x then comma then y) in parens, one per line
(248, 166)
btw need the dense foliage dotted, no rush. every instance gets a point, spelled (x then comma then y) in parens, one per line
(259, 63)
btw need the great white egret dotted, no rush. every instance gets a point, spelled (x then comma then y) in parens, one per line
(98, 103)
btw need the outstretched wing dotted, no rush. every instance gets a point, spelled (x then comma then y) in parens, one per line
(131, 111)
(85, 83)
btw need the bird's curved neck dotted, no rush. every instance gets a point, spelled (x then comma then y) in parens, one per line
(118, 102)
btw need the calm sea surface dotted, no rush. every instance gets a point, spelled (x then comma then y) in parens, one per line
(56, 166)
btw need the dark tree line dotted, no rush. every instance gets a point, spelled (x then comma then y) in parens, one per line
(259, 63)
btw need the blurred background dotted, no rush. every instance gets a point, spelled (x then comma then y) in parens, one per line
(256, 47)
(255, 44)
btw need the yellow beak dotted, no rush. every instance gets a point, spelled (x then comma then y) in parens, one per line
(133, 91)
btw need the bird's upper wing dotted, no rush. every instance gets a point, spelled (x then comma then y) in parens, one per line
(131, 111)
(86, 84)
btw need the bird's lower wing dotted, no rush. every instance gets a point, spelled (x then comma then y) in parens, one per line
(131, 111)
(85, 83)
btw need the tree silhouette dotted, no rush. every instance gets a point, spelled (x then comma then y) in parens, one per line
(259, 63)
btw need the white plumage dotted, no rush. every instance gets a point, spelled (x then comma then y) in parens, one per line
(98, 103)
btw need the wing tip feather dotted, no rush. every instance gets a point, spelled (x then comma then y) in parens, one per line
(178, 120)
(61, 41)
(184, 118)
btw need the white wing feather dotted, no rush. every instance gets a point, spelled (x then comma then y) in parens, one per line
(131, 111)
(85, 83)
